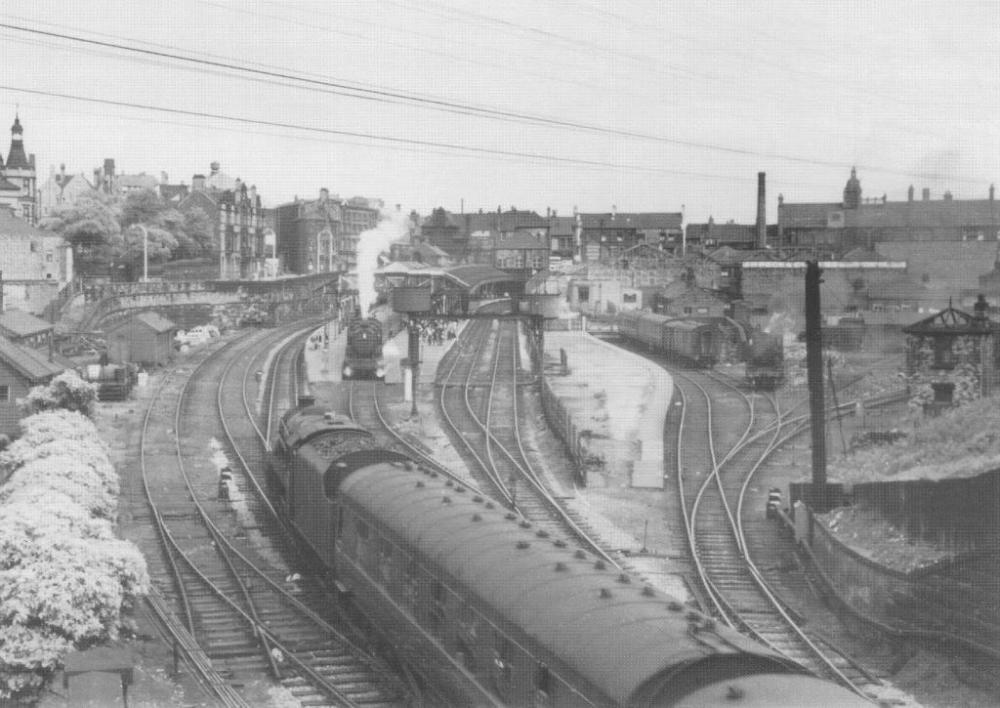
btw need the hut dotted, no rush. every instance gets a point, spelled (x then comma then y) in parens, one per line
(22, 368)
(145, 338)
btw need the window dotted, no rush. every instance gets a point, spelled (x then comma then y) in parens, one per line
(466, 656)
(944, 357)
(385, 559)
(629, 298)
(583, 293)
(503, 666)
(4, 393)
(438, 598)
(544, 684)
(943, 392)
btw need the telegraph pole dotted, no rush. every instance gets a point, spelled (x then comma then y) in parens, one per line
(814, 369)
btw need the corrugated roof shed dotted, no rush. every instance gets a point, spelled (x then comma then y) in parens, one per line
(153, 320)
(23, 324)
(32, 364)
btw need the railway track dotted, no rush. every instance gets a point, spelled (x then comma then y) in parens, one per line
(479, 402)
(223, 565)
(716, 464)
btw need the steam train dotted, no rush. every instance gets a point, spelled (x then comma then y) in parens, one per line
(493, 611)
(692, 342)
(764, 354)
(701, 342)
(363, 350)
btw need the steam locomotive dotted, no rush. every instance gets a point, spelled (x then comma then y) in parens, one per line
(494, 611)
(764, 354)
(363, 351)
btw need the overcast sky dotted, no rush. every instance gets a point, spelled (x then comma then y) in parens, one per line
(643, 104)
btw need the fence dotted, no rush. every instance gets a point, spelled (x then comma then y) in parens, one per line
(561, 421)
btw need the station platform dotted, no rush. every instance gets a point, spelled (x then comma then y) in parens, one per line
(618, 397)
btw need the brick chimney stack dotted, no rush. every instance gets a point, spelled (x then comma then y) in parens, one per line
(761, 211)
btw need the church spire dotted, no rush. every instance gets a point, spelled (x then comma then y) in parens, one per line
(852, 191)
(16, 159)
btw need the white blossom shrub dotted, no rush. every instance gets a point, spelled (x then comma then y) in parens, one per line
(66, 391)
(55, 432)
(82, 461)
(64, 578)
(26, 657)
(61, 473)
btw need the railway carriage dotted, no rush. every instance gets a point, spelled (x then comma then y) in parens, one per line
(497, 612)
(692, 341)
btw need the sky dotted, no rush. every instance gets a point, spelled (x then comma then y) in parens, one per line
(638, 105)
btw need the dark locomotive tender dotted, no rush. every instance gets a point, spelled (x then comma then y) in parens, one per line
(363, 350)
(494, 611)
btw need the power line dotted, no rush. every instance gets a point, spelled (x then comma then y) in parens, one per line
(392, 96)
(468, 149)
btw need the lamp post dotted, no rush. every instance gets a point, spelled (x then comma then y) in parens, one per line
(145, 252)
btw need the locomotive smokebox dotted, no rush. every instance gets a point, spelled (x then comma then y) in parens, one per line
(407, 299)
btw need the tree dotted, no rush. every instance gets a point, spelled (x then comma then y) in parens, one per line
(143, 206)
(90, 224)
(66, 391)
(201, 230)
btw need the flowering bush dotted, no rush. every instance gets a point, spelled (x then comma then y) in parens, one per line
(64, 577)
(66, 391)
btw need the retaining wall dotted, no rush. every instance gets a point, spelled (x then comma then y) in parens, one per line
(959, 515)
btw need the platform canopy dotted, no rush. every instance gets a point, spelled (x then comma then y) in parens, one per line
(473, 277)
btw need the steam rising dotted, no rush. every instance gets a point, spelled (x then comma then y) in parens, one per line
(393, 226)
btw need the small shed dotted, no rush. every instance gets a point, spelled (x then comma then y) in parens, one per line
(143, 338)
(24, 328)
(952, 357)
(22, 368)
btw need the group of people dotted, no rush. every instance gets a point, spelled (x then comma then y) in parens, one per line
(438, 332)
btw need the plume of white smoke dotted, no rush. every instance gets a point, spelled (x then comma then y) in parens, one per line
(393, 226)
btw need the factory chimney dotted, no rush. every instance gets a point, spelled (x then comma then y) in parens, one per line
(761, 211)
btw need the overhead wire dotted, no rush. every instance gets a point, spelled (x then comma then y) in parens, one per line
(383, 95)
(467, 149)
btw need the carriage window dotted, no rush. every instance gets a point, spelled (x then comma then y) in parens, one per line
(503, 666)
(438, 599)
(385, 559)
(466, 656)
(543, 686)
(411, 585)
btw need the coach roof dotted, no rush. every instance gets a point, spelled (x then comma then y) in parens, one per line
(581, 611)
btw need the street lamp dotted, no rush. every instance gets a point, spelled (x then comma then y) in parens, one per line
(145, 252)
